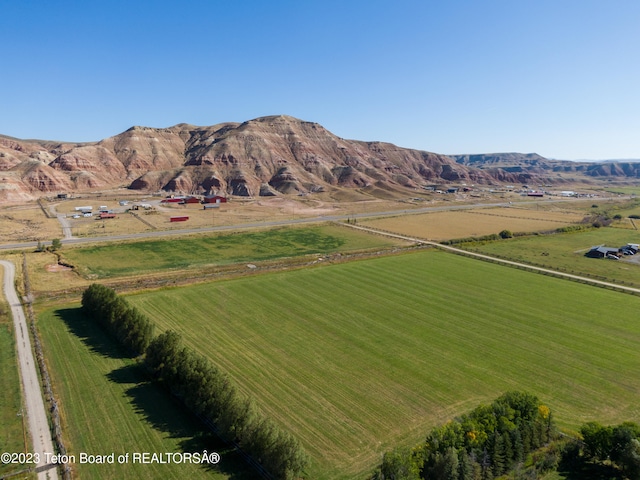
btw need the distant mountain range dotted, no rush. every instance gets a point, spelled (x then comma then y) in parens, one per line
(262, 157)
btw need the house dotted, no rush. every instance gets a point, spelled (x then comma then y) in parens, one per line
(215, 199)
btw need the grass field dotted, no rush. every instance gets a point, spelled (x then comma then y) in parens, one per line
(356, 358)
(107, 406)
(104, 261)
(11, 434)
(476, 222)
(566, 252)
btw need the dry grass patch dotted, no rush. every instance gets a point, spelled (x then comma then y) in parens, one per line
(27, 223)
(470, 223)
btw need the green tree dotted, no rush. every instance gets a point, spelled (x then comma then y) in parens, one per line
(597, 440)
(499, 460)
(465, 466)
(398, 465)
(506, 234)
(56, 244)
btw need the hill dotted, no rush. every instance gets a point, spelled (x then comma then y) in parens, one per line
(266, 156)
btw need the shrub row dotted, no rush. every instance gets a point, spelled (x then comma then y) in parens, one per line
(201, 386)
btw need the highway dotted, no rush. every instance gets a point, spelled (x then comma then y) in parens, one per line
(68, 240)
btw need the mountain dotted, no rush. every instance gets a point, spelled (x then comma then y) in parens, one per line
(542, 167)
(266, 156)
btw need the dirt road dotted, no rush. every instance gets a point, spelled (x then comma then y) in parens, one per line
(555, 273)
(34, 403)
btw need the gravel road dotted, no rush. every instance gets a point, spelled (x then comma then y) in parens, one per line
(34, 403)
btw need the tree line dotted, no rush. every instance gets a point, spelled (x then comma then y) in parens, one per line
(201, 386)
(125, 323)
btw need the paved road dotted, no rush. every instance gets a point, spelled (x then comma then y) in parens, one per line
(36, 414)
(275, 223)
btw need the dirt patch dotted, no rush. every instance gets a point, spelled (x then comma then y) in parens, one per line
(56, 267)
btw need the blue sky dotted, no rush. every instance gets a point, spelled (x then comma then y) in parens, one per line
(556, 77)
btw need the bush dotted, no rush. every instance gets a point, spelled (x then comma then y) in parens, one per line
(506, 234)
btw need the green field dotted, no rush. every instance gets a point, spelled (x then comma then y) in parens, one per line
(110, 260)
(107, 406)
(565, 252)
(357, 358)
(11, 434)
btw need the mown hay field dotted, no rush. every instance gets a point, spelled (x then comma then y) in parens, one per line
(357, 358)
(107, 405)
(453, 224)
(134, 258)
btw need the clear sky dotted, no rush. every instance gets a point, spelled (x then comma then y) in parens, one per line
(557, 77)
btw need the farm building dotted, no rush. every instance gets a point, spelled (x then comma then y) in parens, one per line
(601, 252)
(215, 199)
(104, 215)
(535, 194)
(178, 219)
(172, 200)
(191, 200)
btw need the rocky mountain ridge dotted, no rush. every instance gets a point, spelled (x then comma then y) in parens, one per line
(266, 156)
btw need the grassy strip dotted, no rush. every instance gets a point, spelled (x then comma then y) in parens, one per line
(108, 406)
(106, 261)
(12, 437)
(356, 358)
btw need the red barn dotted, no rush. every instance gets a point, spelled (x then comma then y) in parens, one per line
(179, 219)
(215, 199)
